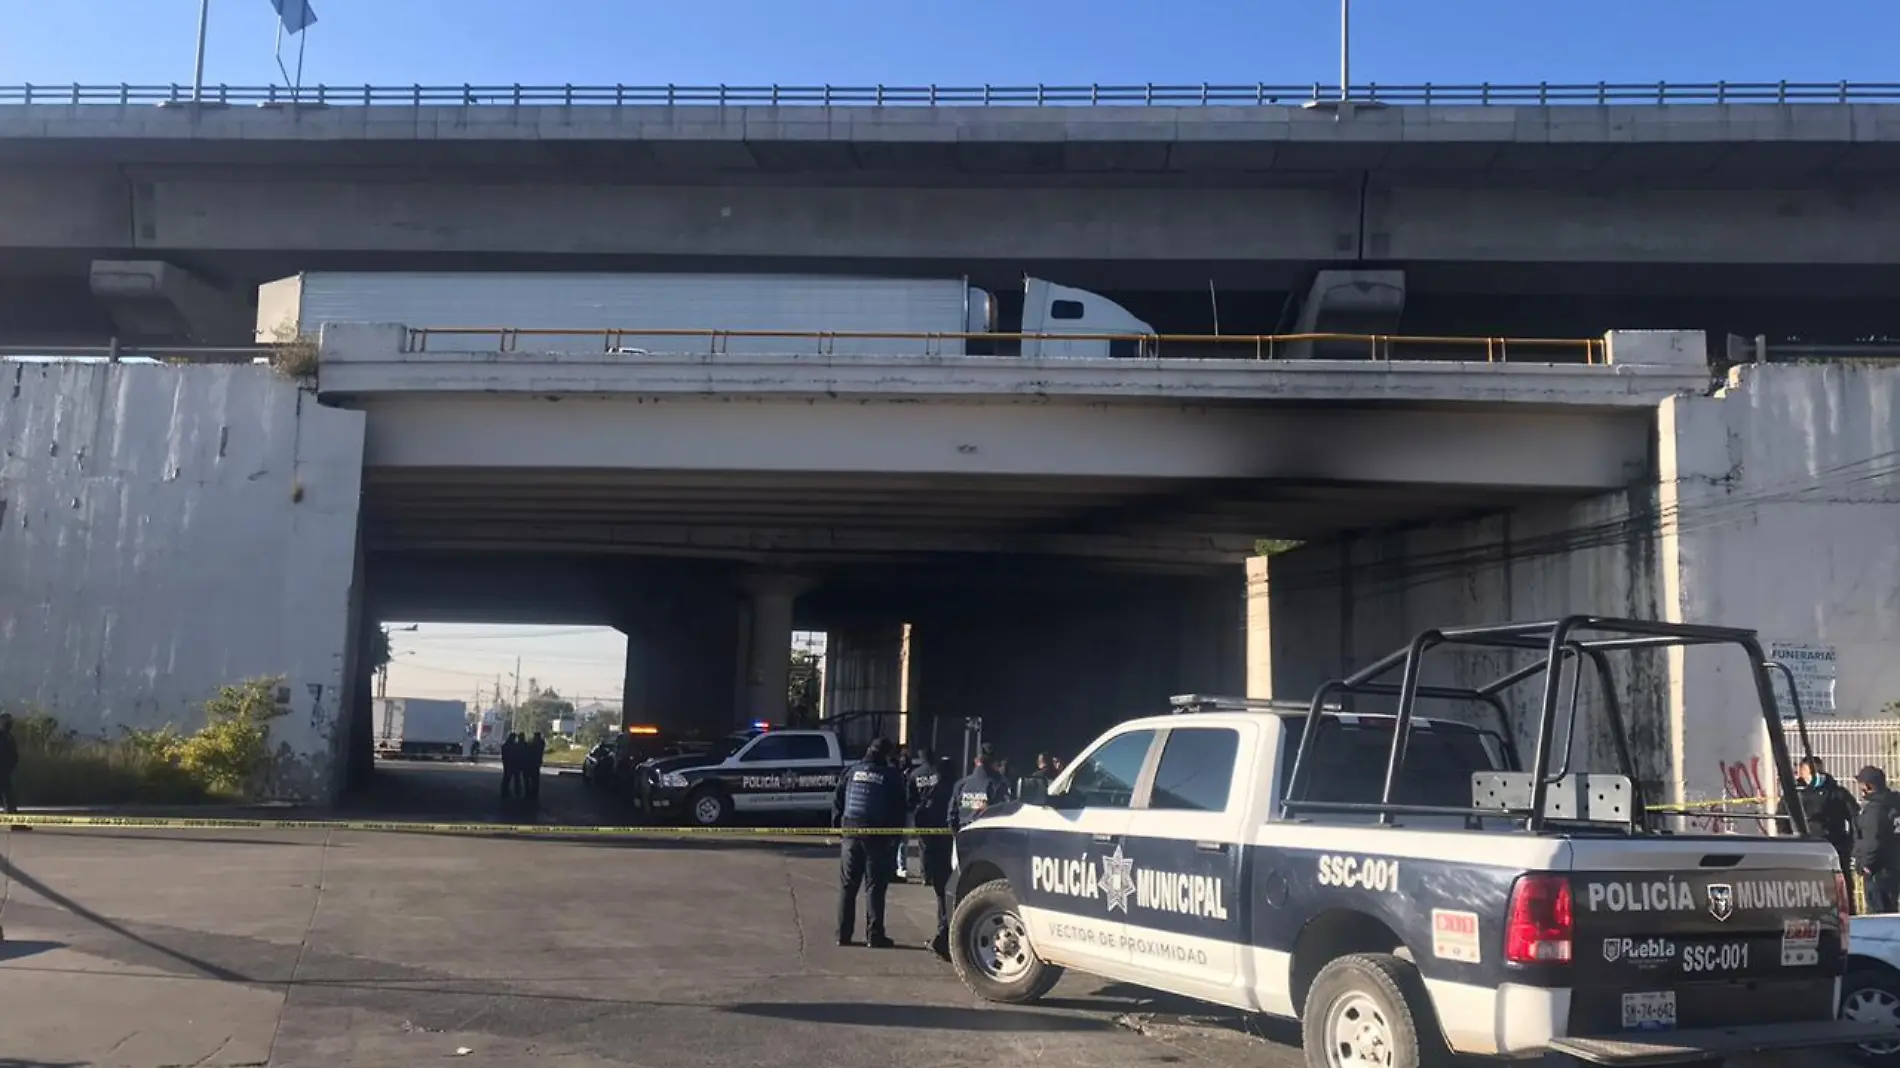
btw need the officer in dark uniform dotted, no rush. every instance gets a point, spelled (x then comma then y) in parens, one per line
(871, 795)
(931, 793)
(1877, 841)
(978, 790)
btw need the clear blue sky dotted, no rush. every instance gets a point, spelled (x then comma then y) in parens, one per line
(959, 41)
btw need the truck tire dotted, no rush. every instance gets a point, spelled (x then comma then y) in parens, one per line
(708, 807)
(1370, 1010)
(989, 947)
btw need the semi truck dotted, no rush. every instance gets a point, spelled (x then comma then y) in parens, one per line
(753, 314)
(410, 727)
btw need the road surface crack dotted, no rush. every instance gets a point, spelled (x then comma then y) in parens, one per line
(798, 920)
(303, 946)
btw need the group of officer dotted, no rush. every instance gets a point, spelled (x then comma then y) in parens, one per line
(876, 798)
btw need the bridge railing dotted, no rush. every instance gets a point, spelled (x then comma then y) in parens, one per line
(636, 343)
(1542, 94)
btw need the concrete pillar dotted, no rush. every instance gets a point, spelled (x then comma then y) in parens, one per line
(681, 669)
(864, 672)
(769, 643)
(1259, 630)
(1349, 302)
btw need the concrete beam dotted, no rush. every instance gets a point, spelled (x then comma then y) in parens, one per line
(1272, 136)
(423, 214)
(1552, 450)
(369, 359)
(756, 543)
(154, 300)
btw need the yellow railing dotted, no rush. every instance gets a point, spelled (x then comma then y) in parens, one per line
(1376, 347)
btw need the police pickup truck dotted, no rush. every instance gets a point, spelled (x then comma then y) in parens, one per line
(1400, 887)
(774, 774)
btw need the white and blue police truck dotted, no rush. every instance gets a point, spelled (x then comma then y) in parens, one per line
(1406, 888)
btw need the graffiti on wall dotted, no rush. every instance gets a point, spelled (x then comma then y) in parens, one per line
(1741, 779)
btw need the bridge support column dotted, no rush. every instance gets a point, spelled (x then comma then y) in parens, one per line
(768, 649)
(1349, 302)
(681, 657)
(864, 673)
(1049, 669)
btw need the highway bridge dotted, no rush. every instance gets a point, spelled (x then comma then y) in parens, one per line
(1553, 210)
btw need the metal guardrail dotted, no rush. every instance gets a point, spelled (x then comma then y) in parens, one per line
(1542, 94)
(1377, 347)
(113, 352)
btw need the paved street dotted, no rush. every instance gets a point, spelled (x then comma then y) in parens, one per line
(315, 948)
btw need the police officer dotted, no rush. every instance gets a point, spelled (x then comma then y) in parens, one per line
(1877, 845)
(978, 790)
(870, 795)
(931, 793)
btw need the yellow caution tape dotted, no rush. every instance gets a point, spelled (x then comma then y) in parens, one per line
(422, 827)
(1708, 804)
(162, 823)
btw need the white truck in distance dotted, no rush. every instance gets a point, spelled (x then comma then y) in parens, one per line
(419, 727)
(1397, 885)
(773, 307)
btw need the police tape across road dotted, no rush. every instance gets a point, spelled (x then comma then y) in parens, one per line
(544, 830)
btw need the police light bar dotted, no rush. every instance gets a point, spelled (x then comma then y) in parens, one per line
(643, 730)
(761, 725)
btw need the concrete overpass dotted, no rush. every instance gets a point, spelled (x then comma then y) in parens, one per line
(238, 501)
(804, 461)
(1507, 209)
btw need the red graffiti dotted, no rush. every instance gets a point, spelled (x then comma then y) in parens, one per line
(1742, 780)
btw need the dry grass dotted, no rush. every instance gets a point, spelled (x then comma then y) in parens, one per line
(58, 767)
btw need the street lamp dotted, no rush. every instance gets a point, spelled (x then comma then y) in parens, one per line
(1345, 50)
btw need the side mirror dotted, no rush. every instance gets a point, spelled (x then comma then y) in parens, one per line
(1033, 791)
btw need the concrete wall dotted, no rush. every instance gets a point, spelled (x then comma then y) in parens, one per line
(164, 531)
(1774, 508)
(1331, 609)
(1050, 673)
(1781, 497)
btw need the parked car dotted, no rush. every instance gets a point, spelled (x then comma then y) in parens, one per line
(597, 767)
(1871, 990)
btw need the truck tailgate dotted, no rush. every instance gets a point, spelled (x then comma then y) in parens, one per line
(1703, 933)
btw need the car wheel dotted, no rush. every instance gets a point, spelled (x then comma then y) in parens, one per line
(989, 946)
(1872, 993)
(1369, 1010)
(708, 808)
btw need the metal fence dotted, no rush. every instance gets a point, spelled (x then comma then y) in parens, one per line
(1541, 94)
(1848, 745)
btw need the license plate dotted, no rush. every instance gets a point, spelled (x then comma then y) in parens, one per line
(1651, 1010)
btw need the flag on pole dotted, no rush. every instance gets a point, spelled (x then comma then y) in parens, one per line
(295, 15)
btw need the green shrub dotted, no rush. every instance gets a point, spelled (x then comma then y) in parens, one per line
(227, 759)
(232, 752)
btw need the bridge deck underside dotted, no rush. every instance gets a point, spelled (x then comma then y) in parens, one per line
(840, 520)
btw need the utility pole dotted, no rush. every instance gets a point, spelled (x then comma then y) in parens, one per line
(198, 73)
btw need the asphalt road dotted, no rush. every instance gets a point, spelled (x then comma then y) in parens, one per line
(332, 948)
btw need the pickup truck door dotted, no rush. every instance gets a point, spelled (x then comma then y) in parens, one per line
(1079, 886)
(784, 771)
(1184, 919)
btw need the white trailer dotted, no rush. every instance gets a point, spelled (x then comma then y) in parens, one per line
(419, 727)
(700, 314)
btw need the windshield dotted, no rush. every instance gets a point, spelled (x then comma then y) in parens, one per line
(1349, 757)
